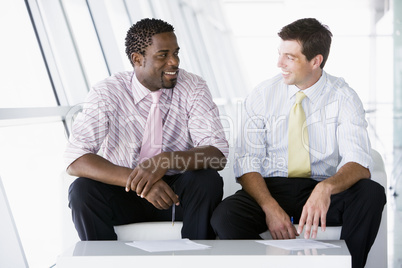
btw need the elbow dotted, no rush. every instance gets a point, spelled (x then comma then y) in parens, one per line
(218, 163)
(222, 164)
(70, 170)
(366, 174)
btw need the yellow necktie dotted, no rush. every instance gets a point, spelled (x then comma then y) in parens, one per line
(298, 147)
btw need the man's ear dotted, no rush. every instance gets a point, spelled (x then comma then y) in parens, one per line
(136, 59)
(317, 60)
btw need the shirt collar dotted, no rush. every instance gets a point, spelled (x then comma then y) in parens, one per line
(313, 92)
(140, 92)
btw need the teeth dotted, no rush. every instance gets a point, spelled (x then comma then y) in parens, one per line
(285, 72)
(170, 73)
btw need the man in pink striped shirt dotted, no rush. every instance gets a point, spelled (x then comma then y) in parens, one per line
(114, 187)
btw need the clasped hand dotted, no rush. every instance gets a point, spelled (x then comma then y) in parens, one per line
(146, 181)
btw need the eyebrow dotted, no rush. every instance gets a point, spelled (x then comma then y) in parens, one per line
(290, 54)
(166, 50)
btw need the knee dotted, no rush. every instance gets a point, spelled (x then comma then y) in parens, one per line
(205, 184)
(219, 217)
(207, 181)
(372, 192)
(228, 222)
(78, 192)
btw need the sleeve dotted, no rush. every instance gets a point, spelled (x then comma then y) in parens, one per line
(204, 123)
(88, 130)
(353, 139)
(250, 151)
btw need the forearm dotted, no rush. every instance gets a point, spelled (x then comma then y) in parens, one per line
(97, 168)
(254, 184)
(346, 177)
(277, 220)
(202, 157)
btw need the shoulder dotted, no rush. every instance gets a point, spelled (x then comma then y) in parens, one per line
(268, 89)
(270, 85)
(189, 81)
(338, 91)
(118, 81)
(191, 86)
(114, 86)
(112, 91)
(339, 87)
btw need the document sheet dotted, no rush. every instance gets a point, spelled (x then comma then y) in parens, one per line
(297, 244)
(167, 245)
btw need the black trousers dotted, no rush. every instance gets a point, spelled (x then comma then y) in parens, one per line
(97, 207)
(358, 210)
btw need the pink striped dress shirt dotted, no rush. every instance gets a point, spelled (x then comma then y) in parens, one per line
(113, 118)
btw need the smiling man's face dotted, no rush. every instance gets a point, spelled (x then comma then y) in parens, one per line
(296, 69)
(160, 65)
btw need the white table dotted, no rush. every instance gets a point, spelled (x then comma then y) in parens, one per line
(223, 253)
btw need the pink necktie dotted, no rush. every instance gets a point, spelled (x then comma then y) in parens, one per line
(152, 140)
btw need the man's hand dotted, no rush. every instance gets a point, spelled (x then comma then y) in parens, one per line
(314, 211)
(145, 175)
(317, 205)
(279, 224)
(162, 196)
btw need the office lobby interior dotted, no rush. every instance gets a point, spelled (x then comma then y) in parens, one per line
(53, 52)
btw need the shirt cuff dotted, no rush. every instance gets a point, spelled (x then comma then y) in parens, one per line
(362, 159)
(247, 164)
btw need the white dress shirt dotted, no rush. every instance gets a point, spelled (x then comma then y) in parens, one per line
(336, 124)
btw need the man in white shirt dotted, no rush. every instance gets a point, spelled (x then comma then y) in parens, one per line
(337, 189)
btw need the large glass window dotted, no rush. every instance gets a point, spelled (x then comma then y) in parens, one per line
(31, 166)
(30, 155)
(23, 75)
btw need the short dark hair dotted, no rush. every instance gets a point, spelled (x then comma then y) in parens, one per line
(139, 36)
(314, 37)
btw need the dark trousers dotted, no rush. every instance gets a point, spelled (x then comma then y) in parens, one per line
(358, 210)
(97, 207)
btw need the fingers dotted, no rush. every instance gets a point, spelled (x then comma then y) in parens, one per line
(142, 179)
(287, 231)
(162, 196)
(315, 223)
(302, 222)
(323, 222)
(130, 181)
(311, 221)
(143, 187)
(136, 182)
(164, 202)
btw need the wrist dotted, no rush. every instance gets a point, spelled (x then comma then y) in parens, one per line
(268, 204)
(325, 187)
(165, 160)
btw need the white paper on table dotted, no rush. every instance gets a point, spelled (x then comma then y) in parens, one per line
(297, 244)
(167, 245)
